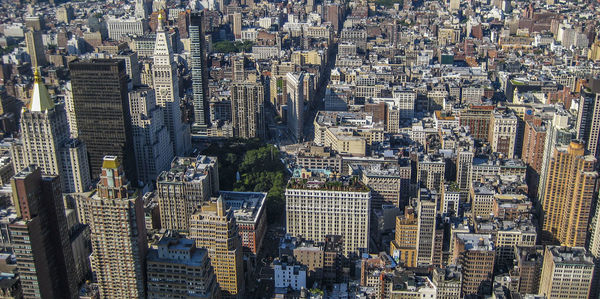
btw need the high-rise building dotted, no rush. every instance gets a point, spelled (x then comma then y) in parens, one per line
(315, 209)
(45, 142)
(534, 141)
(236, 24)
(426, 209)
(570, 186)
(247, 107)
(295, 104)
(559, 133)
(566, 273)
(447, 281)
(166, 86)
(183, 188)
(475, 254)
(151, 142)
(464, 163)
(431, 173)
(482, 200)
(35, 48)
(102, 112)
(40, 237)
(477, 118)
(529, 263)
(115, 214)
(503, 133)
(404, 246)
(215, 229)
(141, 9)
(588, 122)
(199, 74)
(177, 269)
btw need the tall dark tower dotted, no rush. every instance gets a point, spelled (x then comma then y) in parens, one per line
(199, 82)
(40, 235)
(101, 107)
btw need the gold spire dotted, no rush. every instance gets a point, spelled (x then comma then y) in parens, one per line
(40, 98)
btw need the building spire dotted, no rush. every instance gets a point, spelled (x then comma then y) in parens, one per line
(40, 98)
(160, 21)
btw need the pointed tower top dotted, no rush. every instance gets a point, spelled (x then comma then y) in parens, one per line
(40, 99)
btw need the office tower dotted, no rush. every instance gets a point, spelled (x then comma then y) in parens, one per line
(132, 67)
(570, 187)
(176, 268)
(315, 209)
(76, 175)
(166, 86)
(447, 281)
(404, 246)
(102, 112)
(529, 264)
(141, 9)
(559, 132)
(482, 198)
(250, 214)
(199, 74)
(295, 104)
(115, 214)
(475, 254)
(431, 173)
(588, 121)
(215, 229)
(464, 163)
(247, 107)
(40, 236)
(389, 184)
(236, 24)
(45, 142)
(426, 210)
(450, 200)
(503, 133)
(68, 99)
(566, 273)
(238, 68)
(183, 188)
(534, 142)
(151, 142)
(477, 118)
(35, 48)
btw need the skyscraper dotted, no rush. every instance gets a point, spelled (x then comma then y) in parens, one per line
(35, 47)
(166, 85)
(316, 209)
(190, 273)
(566, 273)
(426, 209)
(247, 107)
(236, 21)
(40, 237)
(475, 253)
(102, 112)
(588, 121)
(183, 188)
(568, 196)
(115, 214)
(45, 142)
(215, 229)
(295, 104)
(151, 142)
(199, 74)
(141, 9)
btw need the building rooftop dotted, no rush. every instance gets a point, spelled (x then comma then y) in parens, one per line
(188, 169)
(570, 255)
(246, 206)
(342, 184)
(478, 242)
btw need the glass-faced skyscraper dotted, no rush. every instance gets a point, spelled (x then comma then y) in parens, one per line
(102, 113)
(199, 82)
